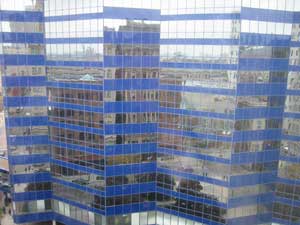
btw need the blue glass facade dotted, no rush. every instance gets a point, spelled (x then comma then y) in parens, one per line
(25, 106)
(164, 112)
(286, 207)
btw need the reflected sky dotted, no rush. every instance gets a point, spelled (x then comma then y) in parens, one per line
(21, 5)
(59, 5)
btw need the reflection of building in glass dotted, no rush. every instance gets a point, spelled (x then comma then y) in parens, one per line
(25, 106)
(103, 104)
(286, 206)
(168, 112)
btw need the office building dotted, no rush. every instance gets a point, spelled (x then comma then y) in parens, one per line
(143, 112)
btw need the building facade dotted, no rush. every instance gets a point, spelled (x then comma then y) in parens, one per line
(143, 112)
(23, 78)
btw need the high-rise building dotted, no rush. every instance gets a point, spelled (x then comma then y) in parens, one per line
(23, 75)
(152, 112)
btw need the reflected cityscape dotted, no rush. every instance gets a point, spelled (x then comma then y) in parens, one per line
(150, 112)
